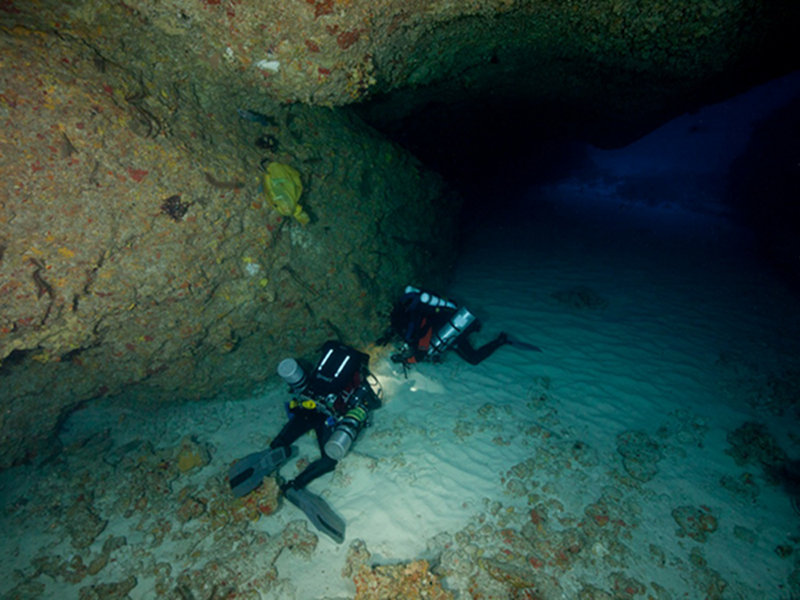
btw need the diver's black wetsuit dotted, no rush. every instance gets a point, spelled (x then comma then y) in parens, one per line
(473, 356)
(336, 388)
(302, 421)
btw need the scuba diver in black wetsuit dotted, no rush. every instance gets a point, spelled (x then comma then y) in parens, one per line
(428, 325)
(335, 400)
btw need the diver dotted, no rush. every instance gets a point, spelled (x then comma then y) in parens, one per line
(429, 324)
(335, 401)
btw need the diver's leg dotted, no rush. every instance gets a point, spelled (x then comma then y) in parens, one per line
(324, 464)
(323, 431)
(474, 356)
(294, 428)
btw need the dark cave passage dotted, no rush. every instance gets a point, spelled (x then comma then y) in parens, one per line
(737, 158)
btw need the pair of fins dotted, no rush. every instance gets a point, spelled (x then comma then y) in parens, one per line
(247, 474)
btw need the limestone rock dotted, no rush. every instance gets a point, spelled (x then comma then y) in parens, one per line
(640, 454)
(388, 582)
(82, 523)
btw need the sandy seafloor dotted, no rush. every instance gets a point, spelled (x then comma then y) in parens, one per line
(604, 464)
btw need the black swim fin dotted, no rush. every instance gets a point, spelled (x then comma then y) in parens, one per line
(246, 474)
(318, 512)
(523, 345)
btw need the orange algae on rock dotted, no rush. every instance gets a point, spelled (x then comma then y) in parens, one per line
(694, 522)
(191, 455)
(391, 582)
(188, 460)
(261, 501)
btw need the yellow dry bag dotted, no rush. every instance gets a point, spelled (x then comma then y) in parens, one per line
(282, 188)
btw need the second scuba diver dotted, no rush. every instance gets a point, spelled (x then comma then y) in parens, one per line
(428, 325)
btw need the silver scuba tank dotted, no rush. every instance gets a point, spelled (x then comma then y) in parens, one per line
(346, 431)
(349, 426)
(293, 374)
(448, 333)
(429, 299)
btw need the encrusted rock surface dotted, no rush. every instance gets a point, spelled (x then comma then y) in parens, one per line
(413, 579)
(626, 58)
(640, 454)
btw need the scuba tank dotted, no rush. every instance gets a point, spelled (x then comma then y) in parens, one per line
(448, 333)
(351, 423)
(293, 374)
(428, 298)
(346, 431)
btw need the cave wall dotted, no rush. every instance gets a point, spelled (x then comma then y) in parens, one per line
(139, 253)
(624, 60)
